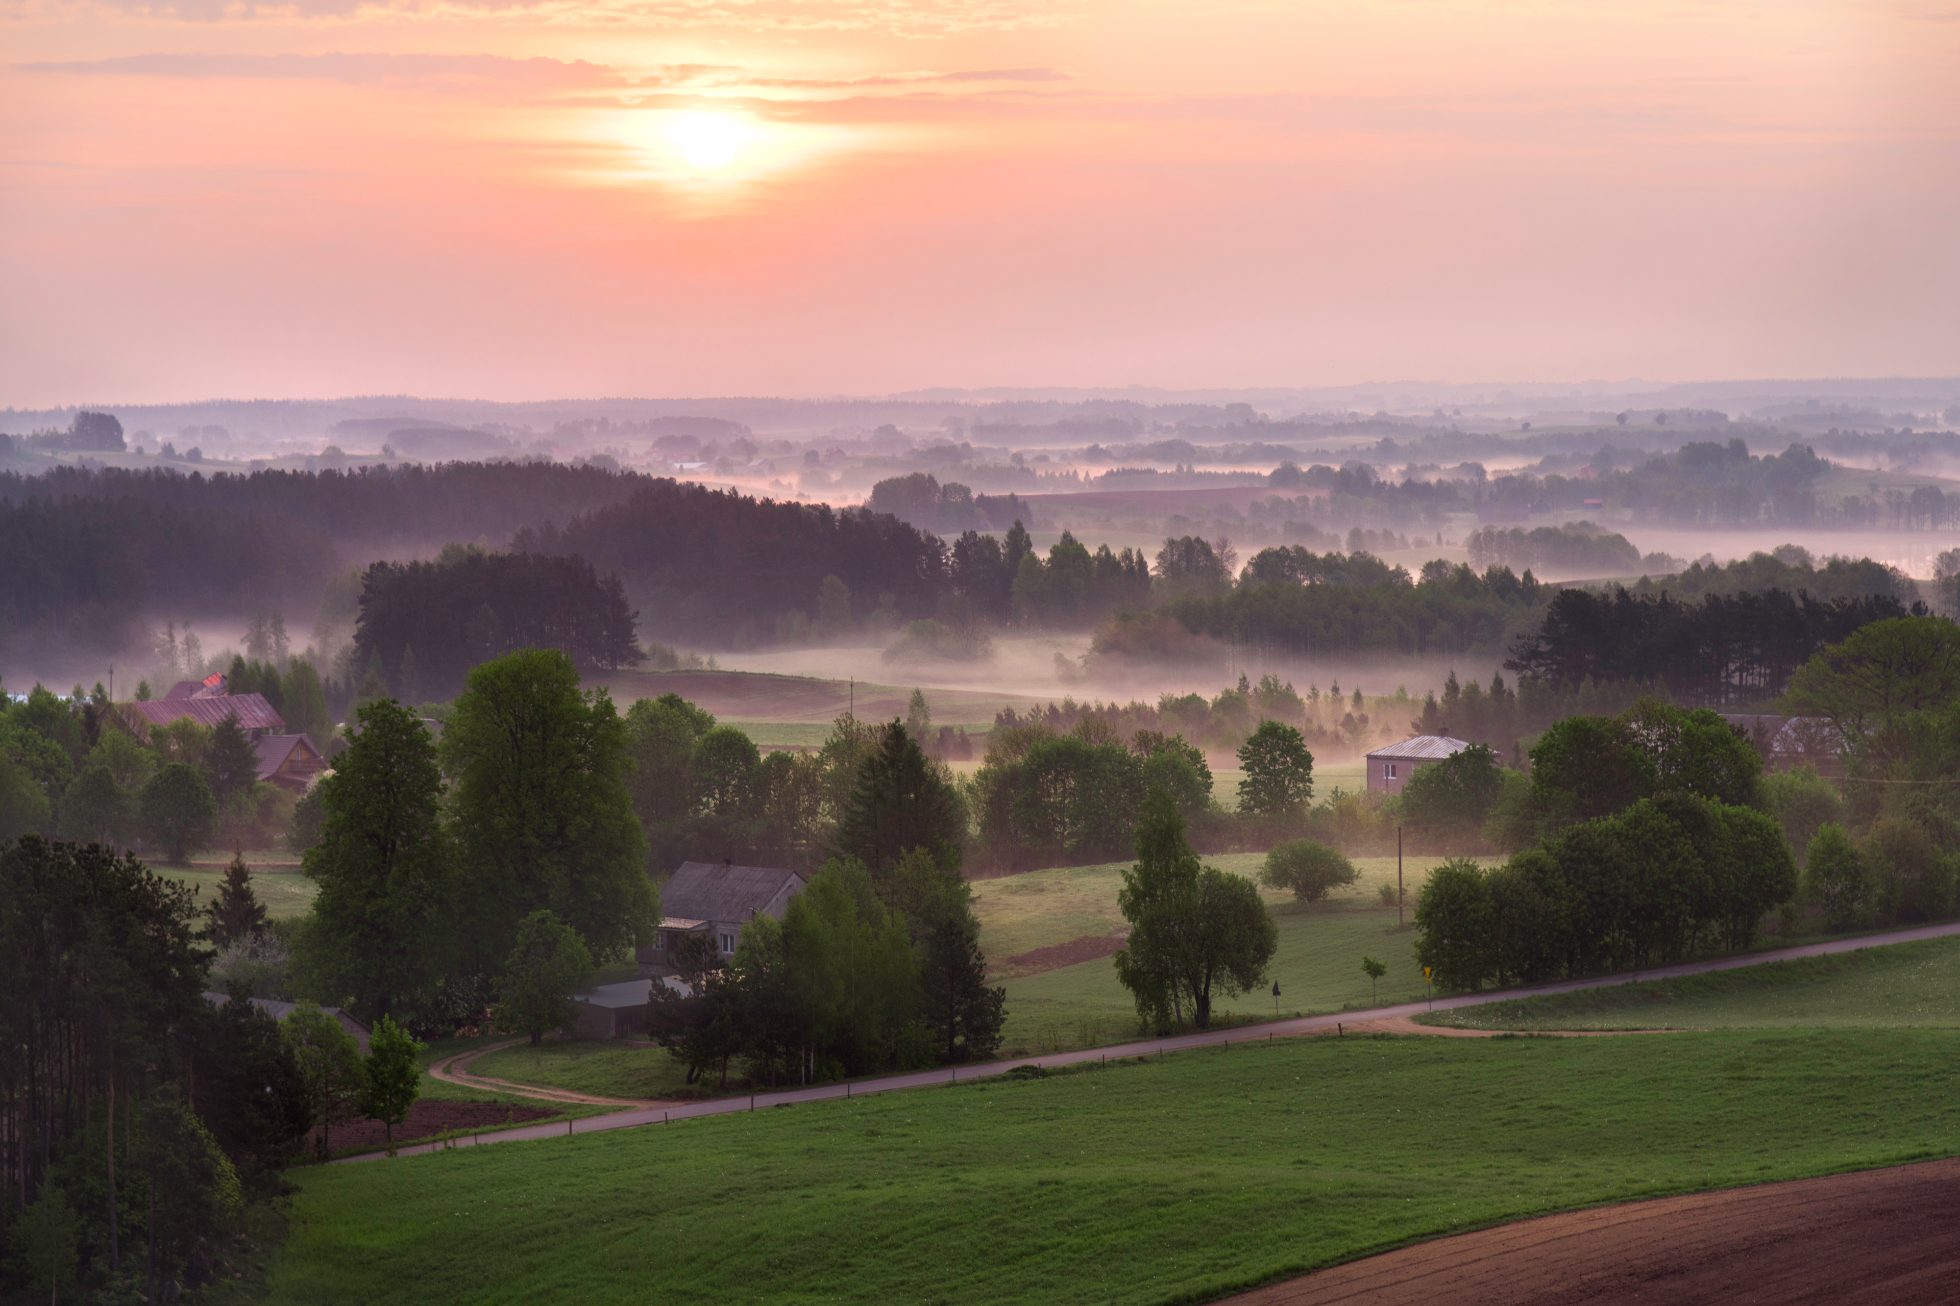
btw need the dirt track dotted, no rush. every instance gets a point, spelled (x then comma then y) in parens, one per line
(456, 1070)
(1889, 1236)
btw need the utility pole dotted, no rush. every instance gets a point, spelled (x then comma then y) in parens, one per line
(1398, 875)
(852, 711)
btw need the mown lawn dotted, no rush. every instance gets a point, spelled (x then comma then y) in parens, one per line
(276, 879)
(1903, 986)
(583, 1066)
(1178, 1179)
(1318, 965)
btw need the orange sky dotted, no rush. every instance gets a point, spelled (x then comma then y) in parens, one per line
(530, 198)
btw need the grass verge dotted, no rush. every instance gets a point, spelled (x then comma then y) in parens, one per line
(1902, 986)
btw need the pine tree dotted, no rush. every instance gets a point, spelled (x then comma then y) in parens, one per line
(236, 915)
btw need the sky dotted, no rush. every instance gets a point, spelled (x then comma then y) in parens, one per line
(551, 198)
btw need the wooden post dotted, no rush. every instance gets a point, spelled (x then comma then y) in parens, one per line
(1398, 876)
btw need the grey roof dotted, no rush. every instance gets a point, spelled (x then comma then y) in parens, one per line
(274, 750)
(279, 1010)
(627, 993)
(1424, 747)
(718, 891)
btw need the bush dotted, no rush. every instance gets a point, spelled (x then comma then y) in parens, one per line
(1310, 870)
(1456, 916)
(1913, 881)
(1836, 878)
(1802, 802)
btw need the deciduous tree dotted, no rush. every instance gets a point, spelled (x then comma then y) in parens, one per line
(390, 1077)
(542, 811)
(546, 966)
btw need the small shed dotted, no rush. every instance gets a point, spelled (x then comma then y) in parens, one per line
(1390, 766)
(618, 1010)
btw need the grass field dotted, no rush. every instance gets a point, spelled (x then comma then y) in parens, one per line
(605, 1069)
(276, 879)
(1905, 986)
(1318, 966)
(1177, 1179)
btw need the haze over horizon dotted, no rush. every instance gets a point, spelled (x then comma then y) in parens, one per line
(640, 197)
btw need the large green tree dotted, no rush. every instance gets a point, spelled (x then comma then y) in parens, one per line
(385, 927)
(854, 976)
(1278, 779)
(546, 966)
(329, 1062)
(903, 800)
(542, 810)
(1880, 674)
(961, 1010)
(1194, 930)
(96, 809)
(178, 811)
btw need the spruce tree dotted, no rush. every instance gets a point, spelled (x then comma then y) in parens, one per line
(236, 915)
(902, 801)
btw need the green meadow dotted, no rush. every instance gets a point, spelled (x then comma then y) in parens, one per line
(1317, 967)
(1177, 1179)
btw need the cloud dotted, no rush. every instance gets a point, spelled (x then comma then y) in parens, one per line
(921, 19)
(437, 72)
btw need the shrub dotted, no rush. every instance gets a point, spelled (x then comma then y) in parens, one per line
(1310, 870)
(1836, 878)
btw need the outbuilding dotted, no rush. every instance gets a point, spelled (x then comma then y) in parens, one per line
(1390, 767)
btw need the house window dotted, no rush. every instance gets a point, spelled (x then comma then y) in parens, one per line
(1388, 770)
(728, 943)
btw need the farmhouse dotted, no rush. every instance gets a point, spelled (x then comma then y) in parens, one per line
(207, 702)
(1390, 767)
(280, 1010)
(717, 899)
(289, 761)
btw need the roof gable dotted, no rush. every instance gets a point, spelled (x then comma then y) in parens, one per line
(252, 711)
(722, 891)
(1424, 747)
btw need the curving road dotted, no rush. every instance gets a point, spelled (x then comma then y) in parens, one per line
(634, 1118)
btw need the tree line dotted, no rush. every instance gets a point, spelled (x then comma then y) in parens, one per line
(1654, 846)
(1718, 650)
(424, 625)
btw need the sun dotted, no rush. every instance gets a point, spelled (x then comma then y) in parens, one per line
(709, 140)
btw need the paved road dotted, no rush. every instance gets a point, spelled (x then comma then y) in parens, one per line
(1151, 1047)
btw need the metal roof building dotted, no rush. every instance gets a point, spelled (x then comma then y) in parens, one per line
(254, 714)
(1390, 766)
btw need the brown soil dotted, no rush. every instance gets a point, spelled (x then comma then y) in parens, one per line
(426, 1120)
(1089, 947)
(1873, 1236)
